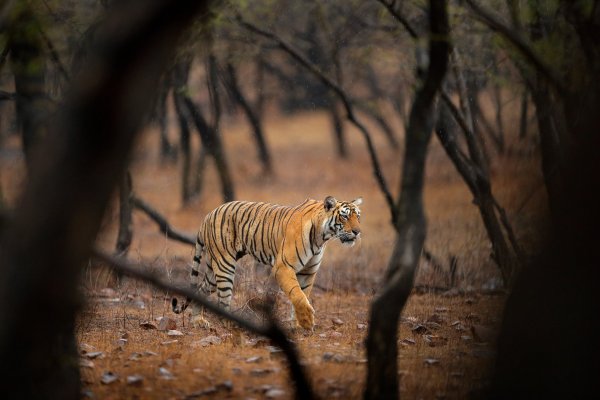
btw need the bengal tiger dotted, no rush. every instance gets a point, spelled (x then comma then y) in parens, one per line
(289, 239)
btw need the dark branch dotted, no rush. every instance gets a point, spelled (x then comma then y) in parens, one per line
(270, 330)
(520, 43)
(163, 224)
(337, 89)
(400, 18)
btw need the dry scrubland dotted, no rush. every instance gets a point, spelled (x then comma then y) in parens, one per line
(446, 339)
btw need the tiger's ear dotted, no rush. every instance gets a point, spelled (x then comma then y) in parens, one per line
(358, 201)
(329, 203)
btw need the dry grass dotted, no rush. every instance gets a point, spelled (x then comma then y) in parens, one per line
(306, 166)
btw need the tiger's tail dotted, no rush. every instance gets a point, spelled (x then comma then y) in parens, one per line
(195, 278)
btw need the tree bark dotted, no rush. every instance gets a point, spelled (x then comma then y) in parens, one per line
(410, 223)
(49, 235)
(253, 118)
(125, 234)
(179, 79)
(479, 184)
(337, 126)
(211, 139)
(28, 64)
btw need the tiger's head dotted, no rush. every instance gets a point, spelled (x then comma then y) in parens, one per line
(343, 220)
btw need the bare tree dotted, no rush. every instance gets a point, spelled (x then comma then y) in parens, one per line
(410, 223)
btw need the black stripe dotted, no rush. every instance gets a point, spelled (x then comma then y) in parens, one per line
(195, 272)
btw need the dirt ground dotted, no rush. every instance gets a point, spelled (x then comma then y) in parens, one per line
(446, 338)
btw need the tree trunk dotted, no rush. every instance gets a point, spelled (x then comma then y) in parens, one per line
(253, 118)
(179, 79)
(167, 151)
(211, 139)
(125, 234)
(550, 146)
(28, 65)
(479, 184)
(410, 223)
(337, 126)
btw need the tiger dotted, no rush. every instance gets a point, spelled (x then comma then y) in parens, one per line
(291, 240)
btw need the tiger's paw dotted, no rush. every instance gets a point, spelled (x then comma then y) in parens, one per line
(198, 321)
(305, 315)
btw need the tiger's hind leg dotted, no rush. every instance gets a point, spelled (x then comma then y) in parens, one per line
(225, 273)
(207, 287)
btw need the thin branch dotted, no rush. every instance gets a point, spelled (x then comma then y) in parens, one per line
(54, 54)
(163, 224)
(520, 43)
(400, 18)
(295, 54)
(271, 330)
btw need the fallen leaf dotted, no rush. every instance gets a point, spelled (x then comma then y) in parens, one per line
(208, 340)
(419, 329)
(437, 318)
(95, 354)
(361, 327)
(148, 325)
(261, 371)
(337, 321)
(408, 341)
(441, 309)
(86, 363)
(466, 338)
(108, 378)
(168, 342)
(165, 373)
(120, 343)
(166, 324)
(86, 348)
(173, 332)
(435, 340)
(328, 356)
(431, 361)
(135, 380)
(273, 393)
(254, 359)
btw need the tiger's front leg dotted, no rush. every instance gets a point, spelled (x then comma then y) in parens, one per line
(286, 278)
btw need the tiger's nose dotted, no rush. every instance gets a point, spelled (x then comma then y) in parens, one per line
(356, 231)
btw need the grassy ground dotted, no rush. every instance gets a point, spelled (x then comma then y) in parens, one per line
(446, 339)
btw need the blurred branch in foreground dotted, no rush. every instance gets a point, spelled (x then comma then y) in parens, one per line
(271, 330)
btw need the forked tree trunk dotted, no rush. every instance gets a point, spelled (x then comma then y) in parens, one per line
(211, 139)
(252, 116)
(410, 223)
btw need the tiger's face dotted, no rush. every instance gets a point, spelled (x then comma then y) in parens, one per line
(344, 219)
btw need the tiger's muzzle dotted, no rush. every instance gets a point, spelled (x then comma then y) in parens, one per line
(349, 238)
